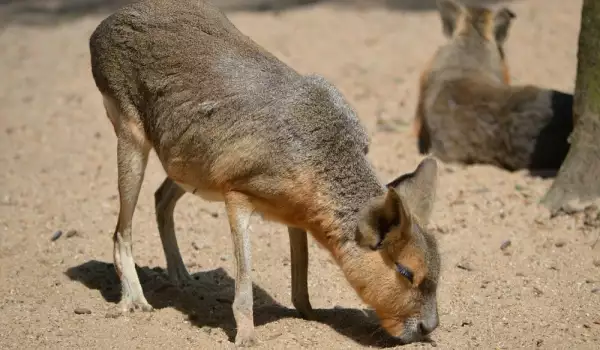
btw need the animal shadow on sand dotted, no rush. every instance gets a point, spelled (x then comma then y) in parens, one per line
(207, 301)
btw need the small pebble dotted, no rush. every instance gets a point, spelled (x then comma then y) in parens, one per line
(540, 221)
(441, 229)
(385, 126)
(195, 246)
(597, 263)
(464, 266)
(596, 290)
(457, 202)
(56, 235)
(82, 311)
(481, 190)
(113, 314)
(505, 244)
(71, 233)
(274, 336)
(560, 244)
(6, 200)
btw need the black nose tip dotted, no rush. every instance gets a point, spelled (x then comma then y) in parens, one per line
(426, 328)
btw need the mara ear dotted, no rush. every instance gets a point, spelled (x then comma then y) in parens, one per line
(383, 221)
(502, 20)
(419, 189)
(449, 12)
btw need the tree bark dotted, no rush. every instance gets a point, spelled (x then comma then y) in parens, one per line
(577, 184)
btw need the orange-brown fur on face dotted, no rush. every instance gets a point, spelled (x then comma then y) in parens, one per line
(394, 225)
(513, 127)
(230, 122)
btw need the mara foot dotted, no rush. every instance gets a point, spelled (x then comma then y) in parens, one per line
(245, 339)
(128, 305)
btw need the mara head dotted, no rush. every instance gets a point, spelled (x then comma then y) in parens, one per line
(478, 31)
(401, 276)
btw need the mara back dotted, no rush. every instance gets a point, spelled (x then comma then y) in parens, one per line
(210, 91)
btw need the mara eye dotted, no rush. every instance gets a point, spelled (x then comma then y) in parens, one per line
(404, 271)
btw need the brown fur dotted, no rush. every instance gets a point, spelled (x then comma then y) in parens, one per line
(467, 112)
(230, 122)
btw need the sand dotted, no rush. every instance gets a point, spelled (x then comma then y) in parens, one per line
(58, 172)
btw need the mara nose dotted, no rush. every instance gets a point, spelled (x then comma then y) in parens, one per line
(427, 326)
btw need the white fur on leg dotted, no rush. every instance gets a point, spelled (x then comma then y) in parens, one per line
(239, 212)
(132, 157)
(132, 295)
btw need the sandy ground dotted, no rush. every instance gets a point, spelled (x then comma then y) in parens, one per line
(58, 172)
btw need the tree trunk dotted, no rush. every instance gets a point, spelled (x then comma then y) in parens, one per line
(577, 184)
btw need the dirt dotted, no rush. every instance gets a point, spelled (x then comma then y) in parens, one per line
(511, 277)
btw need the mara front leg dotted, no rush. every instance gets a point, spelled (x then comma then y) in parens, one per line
(132, 159)
(239, 211)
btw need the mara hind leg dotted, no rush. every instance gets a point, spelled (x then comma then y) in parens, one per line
(166, 197)
(299, 267)
(132, 158)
